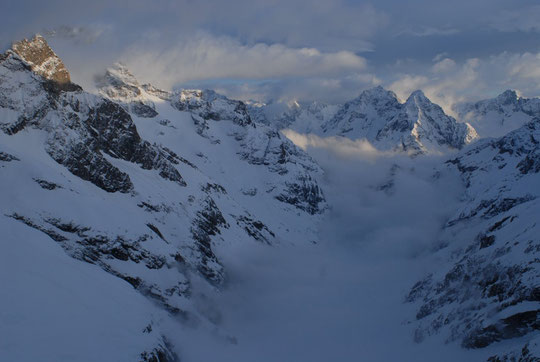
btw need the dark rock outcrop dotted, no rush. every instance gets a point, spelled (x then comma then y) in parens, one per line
(208, 223)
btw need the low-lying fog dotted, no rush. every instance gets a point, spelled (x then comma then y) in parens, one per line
(342, 299)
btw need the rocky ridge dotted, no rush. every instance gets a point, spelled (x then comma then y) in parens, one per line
(42, 59)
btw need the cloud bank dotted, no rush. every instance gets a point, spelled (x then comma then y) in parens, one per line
(448, 82)
(203, 57)
(339, 146)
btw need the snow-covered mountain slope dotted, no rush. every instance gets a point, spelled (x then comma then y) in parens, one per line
(497, 116)
(290, 174)
(153, 201)
(55, 308)
(416, 126)
(486, 289)
(300, 117)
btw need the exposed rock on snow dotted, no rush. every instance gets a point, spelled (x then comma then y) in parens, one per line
(489, 289)
(42, 59)
(81, 129)
(259, 144)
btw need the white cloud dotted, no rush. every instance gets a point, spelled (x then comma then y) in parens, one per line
(406, 84)
(339, 146)
(443, 66)
(80, 34)
(331, 90)
(203, 56)
(450, 82)
(440, 56)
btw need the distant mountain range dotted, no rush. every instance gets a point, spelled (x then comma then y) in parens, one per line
(417, 126)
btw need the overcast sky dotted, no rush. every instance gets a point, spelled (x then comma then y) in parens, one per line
(326, 50)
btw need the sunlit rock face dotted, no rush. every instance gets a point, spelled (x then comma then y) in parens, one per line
(42, 59)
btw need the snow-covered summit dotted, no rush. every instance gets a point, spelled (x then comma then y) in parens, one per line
(416, 126)
(206, 109)
(497, 116)
(119, 85)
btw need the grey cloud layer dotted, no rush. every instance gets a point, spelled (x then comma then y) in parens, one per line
(327, 50)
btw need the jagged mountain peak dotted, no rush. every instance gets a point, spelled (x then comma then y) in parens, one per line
(204, 94)
(118, 82)
(416, 126)
(120, 85)
(210, 105)
(294, 104)
(377, 92)
(119, 76)
(378, 95)
(419, 103)
(42, 59)
(120, 72)
(418, 96)
(509, 96)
